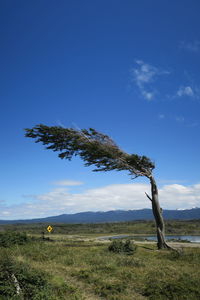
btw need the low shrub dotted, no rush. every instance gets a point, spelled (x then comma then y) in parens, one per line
(119, 246)
(125, 261)
(31, 284)
(9, 238)
(107, 289)
(7, 287)
(191, 257)
(184, 287)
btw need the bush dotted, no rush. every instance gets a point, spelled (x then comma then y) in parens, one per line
(33, 284)
(9, 238)
(7, 287)
(118, 246)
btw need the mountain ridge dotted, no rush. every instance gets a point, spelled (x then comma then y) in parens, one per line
(111, 216)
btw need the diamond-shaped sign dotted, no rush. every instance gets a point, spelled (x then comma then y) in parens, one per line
(49, 228)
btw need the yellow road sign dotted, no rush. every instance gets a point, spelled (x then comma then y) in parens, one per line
(49, 228)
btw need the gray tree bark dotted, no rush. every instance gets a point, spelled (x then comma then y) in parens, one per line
(157, 212)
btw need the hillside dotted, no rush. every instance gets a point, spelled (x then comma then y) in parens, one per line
(112, 216)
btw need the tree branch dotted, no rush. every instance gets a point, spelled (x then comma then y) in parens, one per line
(148, 197)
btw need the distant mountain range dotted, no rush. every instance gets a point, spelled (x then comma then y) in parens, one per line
(112, 216)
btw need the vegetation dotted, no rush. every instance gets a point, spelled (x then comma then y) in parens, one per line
(173, 227)
(84, 270)
(18, 280)
(10, 238)
(119, 246)
(98, 149)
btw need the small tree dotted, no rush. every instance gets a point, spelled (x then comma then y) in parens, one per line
(100, 150)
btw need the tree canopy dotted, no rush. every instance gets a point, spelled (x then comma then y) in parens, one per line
(93, 147)
(98, 149)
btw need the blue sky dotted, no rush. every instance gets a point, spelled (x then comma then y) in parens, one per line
(129, 69)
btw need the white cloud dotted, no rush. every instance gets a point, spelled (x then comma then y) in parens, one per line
(110, 197)
(179, 196)
(143, 75)
(185, 91)
(67, 182)
(148, 95)
(5, 213)
(190, 46)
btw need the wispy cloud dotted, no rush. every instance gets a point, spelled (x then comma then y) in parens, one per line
(148, 95)
(144, 75)
(179, 119)
(67, 182)
(148, 79)
(110, 197)
(193, 46)
(190, 91)
(185, 91)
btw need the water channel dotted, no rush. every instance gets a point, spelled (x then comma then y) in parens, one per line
(189, 238)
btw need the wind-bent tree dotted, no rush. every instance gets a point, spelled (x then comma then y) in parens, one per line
(100, 150)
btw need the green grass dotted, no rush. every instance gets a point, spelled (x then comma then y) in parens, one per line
(87, 271)
(135, 227)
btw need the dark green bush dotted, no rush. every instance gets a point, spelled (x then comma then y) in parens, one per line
(119, 246)
(7, 287)
(9, 238)
(33, 284)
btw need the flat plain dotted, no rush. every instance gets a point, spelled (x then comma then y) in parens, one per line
(71, 263)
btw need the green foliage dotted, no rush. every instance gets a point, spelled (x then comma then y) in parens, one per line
(33, 283)
(184, 287)
(75, 270)
(10, 238)
(119, 246)
(191, 258)
(177, 227)
(6, 269)
(126, 261)
(65, 290)
(93, 147)
(107, 289)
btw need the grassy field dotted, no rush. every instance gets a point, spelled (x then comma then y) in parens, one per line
(74, 269)
(135, 227)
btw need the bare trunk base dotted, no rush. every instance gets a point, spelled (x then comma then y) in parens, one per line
(162, 244)
(157, 212)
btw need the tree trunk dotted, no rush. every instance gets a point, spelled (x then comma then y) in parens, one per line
(157, 212)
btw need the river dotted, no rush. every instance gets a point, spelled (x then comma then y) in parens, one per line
(189, 238)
